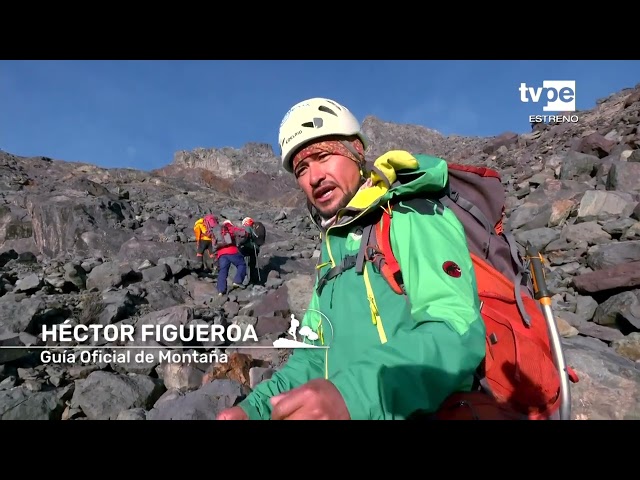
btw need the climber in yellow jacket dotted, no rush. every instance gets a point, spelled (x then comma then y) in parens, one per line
(203, 243)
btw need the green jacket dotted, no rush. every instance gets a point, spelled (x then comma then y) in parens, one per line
(387, 356)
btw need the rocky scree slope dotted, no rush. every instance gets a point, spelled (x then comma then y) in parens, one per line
(109, 246)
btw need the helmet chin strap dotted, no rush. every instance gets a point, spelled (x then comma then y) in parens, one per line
(364, 169)
(352, 149)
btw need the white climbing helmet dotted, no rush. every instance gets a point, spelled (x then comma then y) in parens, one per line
(311, 119)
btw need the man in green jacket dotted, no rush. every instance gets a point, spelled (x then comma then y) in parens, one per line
(389, 355)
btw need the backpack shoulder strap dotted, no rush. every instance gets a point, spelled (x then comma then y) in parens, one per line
(465, 204)
(380, 252)
(389, 266)
(454, 197)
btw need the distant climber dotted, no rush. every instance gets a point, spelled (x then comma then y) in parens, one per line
(251, 248)
(227, 253)
(202, 229)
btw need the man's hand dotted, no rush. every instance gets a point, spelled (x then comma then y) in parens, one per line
(317, 399)
(233, 413)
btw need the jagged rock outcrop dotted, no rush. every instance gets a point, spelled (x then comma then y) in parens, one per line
(230, 162)
(385, 136)
(115, 246)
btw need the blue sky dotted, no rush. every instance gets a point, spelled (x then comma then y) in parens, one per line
(139, 113)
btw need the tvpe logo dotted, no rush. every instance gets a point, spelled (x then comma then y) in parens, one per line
(559, 95)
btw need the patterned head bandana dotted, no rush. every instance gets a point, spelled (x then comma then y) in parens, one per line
(333, 147)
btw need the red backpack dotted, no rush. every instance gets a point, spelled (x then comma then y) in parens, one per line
(518, 379)
(210, 222)
(221, 235)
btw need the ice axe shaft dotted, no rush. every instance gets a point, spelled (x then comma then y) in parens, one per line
(542, 294)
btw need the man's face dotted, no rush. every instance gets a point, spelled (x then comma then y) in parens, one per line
(330, 181)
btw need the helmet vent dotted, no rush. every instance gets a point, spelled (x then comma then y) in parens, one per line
(322, 108)
(317, 123)
(334, 104)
